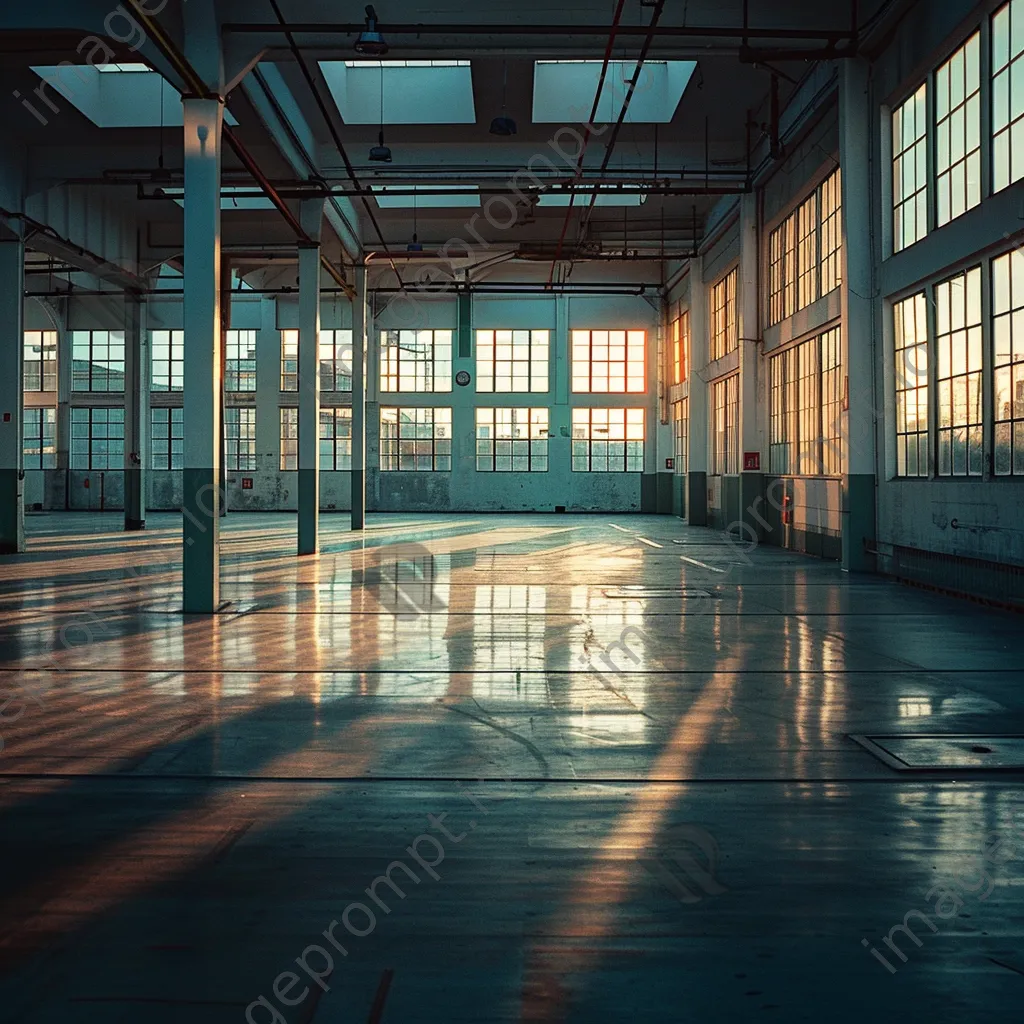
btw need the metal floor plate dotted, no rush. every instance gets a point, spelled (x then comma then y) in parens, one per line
(945, 752)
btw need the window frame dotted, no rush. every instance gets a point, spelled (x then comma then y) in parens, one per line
(631, 461)
(107, 416)
(433, 371)
(437, 449)
(337, 456)
(175, 417)
(42, 433)
(240, 449)
(174, 346)
(922, 391)
(44, 341)
(239, 370)
(100, 368)
(582, 339)
(538, 369)
(288, 438)
(723, 298)
(534, 447)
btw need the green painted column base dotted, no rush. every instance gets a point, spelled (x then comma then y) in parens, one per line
(697, 499)
(859, 523)
(358, 499)
(309, 512)
(201, 536)
(134, 500)
(12, 512)
(752, 506)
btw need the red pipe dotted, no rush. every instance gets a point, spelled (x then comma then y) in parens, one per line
(586, 138)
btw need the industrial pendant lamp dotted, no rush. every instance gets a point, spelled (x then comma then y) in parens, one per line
(415, 245)
(380, 153)
(503, 125)
(370, 41)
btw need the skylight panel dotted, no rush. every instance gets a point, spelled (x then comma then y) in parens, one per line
(402, 92)
(427, 197)
(562, 88)
(125, 68)
(604, 198)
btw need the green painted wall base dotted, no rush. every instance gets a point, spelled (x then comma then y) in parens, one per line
(359, 499)
(679, 496)
(134, 499)
(697, 499)
(309, 512)
(201, 553)
(858, 521)
(656, 493)
(752, 502)
(12, 512)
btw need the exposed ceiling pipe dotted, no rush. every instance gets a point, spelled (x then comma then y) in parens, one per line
(610, 148)
(300, 146)
(586, 137)
(198, 87)
(553, 31)
(325, 113)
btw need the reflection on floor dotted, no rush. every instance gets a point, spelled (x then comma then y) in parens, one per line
(632, 738)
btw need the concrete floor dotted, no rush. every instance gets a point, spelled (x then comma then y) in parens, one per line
(678, 828)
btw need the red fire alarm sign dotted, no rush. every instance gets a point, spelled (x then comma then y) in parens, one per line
(670, 463)
(246, 483)
(751, 462)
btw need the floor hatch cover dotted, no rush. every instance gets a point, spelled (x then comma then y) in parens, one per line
(923, 752)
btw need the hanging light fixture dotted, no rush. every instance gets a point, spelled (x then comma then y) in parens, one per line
(370, 41)
(380, 153)
(503, 125)
(415, 245)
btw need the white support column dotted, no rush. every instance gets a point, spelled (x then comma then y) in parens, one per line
(12, 399)
(858, 433)
(136, 414)
(697, 454)
(202, 391)
(749, 433)
(360, 329)
(309, 380)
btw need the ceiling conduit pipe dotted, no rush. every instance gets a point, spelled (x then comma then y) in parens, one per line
(325, 113)
(586, 137)
(610, 148)
(180, 64)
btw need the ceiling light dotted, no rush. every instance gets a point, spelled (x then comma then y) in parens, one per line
(380, 153)
(370, 41)
(503, 126)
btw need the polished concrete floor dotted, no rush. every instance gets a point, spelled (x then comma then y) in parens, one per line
(633, 739)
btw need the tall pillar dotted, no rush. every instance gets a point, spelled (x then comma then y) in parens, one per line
(136, 414)
(309, 383)
(697, 404)
(360, 329)
(202, 390)
(858, 431)
(749, 434)
(12, 398)
(65, 368)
